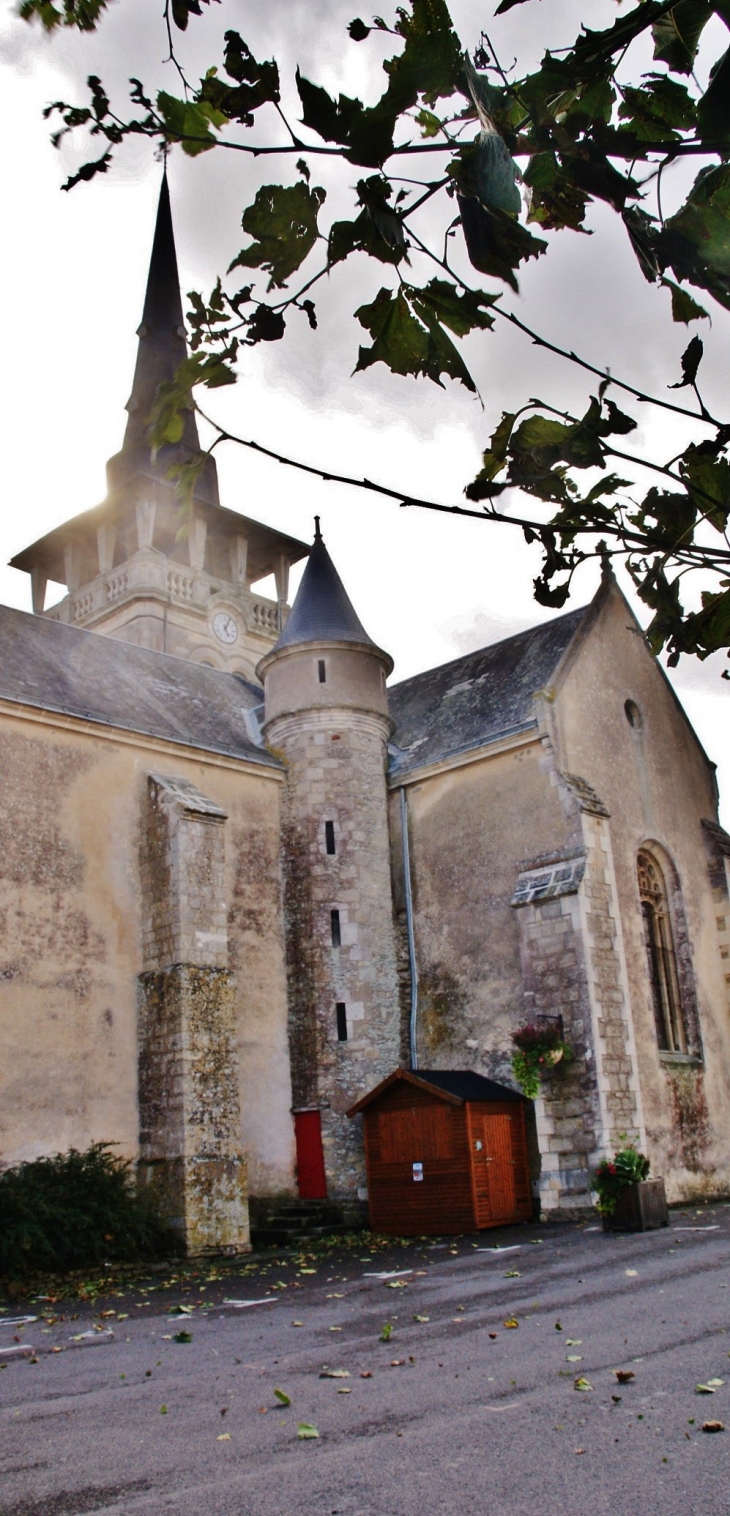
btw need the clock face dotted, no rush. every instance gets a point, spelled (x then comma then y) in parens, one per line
(225, 627)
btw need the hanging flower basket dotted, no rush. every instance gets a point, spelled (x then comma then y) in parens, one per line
(537, 1050)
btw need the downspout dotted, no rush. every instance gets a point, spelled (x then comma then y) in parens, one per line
(412, 964)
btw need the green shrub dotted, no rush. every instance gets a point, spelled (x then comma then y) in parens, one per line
(75, 1210)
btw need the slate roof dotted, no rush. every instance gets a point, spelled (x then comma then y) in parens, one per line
(60, 668)
(322, 610)
(455, 1084)
(477, 699)
(467, 1085)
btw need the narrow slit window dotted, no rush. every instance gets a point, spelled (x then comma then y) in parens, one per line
(336, 933)
(322, 670)
(329, 836)
(341, 1021)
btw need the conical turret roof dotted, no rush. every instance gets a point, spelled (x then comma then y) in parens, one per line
(322, 610)
(162, 348)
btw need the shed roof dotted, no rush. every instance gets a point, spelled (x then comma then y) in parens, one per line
(60, 668)
(476, 699)
(455, 1086)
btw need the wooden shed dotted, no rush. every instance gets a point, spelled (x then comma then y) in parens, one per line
(446, 1152)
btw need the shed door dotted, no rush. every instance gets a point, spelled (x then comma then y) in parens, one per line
(311, 1178)
(494, 1170)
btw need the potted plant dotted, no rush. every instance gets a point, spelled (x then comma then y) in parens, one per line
(628, 1200)
(537, 1050)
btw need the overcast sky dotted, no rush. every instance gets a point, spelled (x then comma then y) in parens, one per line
(74, 267)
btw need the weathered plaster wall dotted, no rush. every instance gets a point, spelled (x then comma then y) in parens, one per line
(71, 933)
(658, 788)
(470, 828)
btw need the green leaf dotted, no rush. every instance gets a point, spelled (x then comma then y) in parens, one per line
(691, 360)
(684, 308)
(189, 123)
(183, 9)
(283, 223)
(486, 171)
(88, 170)
(378, 230)
(556, 201)
(659, 110)
(429, 124)
(182, 1337)
(358, 30)
(713, 111)
(496, 243)
(493, 460)
(83, 14)
(707, 477)
(408, 330)
(677, 34)
(256, 83)
(305, 1431)
(282, 1398)
(696, 241)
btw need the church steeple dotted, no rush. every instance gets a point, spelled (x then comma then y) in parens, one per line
(162, 348)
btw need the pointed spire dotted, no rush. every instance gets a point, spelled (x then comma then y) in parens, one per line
(322, 610)
(162, 348)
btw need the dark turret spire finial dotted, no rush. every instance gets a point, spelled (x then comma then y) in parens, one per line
(317, 532)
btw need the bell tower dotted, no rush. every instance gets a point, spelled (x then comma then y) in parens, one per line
(134, 567)
(326, 714)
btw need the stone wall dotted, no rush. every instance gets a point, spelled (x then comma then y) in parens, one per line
(190, 1119)
(72, 921)
(336, 772)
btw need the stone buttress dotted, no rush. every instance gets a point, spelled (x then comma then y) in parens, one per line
(327, 717)
(574, 968)
(190, 1120)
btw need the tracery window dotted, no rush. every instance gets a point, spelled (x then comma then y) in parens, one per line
(661, 956)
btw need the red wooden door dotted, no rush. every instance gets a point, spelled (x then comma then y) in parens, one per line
(311, 1178)
(500, 1167)
(493, 1169)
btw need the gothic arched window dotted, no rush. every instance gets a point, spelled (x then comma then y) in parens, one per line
(661, 956)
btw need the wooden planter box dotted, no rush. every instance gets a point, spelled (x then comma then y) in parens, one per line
(640, 1208)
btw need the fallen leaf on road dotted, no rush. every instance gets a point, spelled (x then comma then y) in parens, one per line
(512, 1274)
(574, 1358)
(223, 1437)
(573, 1342)
(579, 1450)
(397, 1363)
(581, 1383)
(344, 1390)
(305, 1431)
(558, 1326)
(715, 1383)
(334, 1296)
(297, 1323)
(632, 1273)
(396, 1284)
(421, 1318)
(182, 1337)
(511, 1322)
(624, 1376)
(182, 1310)
(386, 1332)
(335, 1329)
(335, 1374)
(713, 1426)
(282, 1397)
(493, 1335)
(704, 1389)
(365, 1374)
(163, 1410)
(615, 1399)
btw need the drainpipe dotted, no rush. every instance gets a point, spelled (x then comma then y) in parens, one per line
(409, 925)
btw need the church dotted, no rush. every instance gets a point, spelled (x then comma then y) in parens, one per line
(244, 877)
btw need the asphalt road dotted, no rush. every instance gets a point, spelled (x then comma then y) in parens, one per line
(456, 1412)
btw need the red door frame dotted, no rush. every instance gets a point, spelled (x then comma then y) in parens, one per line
(311, 1177)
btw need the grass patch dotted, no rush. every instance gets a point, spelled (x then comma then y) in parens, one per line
(75, 1210)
